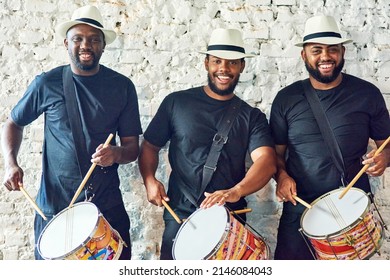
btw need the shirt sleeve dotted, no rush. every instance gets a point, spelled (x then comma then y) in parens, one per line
(159, 130)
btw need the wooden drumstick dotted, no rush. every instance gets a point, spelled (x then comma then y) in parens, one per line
(304, 203)
(21, 188)
(88, 173)
(242, 211)
(363, 169)
(171, 211)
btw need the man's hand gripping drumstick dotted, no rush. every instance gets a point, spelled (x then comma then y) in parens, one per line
(82, 184)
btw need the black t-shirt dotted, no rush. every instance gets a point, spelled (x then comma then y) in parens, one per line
(356, 111)
(108, 104)
(188, 120)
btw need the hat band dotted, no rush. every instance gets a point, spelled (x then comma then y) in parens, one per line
(91, 21)
(225, 48)
(321, 34)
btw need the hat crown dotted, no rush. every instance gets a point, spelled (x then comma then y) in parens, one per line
(89, 15)
(230, 37)
(319, 24)
(88, 12)
(226, 44)
(323, 30)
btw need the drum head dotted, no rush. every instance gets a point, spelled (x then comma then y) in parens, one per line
(201, 234)
(330, 215)
(68, 230)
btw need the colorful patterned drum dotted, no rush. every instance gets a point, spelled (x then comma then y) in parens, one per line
(80, 233)
(214, 234)
(343, 229)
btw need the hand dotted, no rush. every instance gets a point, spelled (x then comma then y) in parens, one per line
(104, 155)
(220, 197)
(155, 193)
(13, 178)
(377, 163)
(285, 189)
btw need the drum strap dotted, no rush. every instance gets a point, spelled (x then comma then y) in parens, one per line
(325, 128)
(72, 108)
(219, 140)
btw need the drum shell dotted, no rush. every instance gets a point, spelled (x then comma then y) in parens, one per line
(232, 240)
(359, 239)
(98, 241)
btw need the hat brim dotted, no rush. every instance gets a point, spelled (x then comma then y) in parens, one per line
(325, 41)
(228, 54)
(62, 29)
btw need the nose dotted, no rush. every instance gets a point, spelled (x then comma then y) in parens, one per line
(86, 43)
(224, 65)
(325, 54)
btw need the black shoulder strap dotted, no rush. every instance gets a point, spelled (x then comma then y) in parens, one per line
(72, 109)
(220, 139)
(325, 128)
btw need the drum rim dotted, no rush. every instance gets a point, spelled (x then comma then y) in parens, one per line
(336, 233)
(216, 247)
(82, 244)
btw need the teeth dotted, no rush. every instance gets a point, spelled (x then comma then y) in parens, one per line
(326, 66)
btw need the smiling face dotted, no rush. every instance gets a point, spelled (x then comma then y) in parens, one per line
(324, 63)
(85, 45)
(223, 75)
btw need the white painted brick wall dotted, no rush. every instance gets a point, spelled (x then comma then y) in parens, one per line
(157, 48)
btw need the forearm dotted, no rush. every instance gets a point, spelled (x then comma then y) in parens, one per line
(148, 161)
(11, 139)
(128, 150)
(125, 154)
(259, 174)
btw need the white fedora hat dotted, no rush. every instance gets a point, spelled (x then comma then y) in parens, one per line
(86, 15)
(226, 44)
(323, 30)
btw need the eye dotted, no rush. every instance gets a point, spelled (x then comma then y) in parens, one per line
(316, 51)
(76, 39)
(96, 40)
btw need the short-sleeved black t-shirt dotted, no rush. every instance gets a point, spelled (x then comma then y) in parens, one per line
(356, 112)
(108, 104)
(188, 120)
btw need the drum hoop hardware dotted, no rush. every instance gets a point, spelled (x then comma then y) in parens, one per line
(371, 237)
(101, 237)
(307, 244)
(376, 209)
(245, 224)
(220, 242)
(330, 244)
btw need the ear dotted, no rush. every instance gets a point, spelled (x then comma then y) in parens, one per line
(66, 43)
(206, 63)
(242, 66)
(303, 54)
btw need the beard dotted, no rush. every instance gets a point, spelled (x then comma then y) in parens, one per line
(316, 74)
(83, 66)
(222, 92)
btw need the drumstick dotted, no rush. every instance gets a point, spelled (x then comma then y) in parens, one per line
(21, 188)
(88, 173)
(242, 211)
(171, 211)
(304, 203)
(363, 169)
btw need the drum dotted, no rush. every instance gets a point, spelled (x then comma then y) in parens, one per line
(214, 234)
(79, 233)
(343, 229)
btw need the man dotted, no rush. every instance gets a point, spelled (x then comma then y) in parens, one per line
(356, 112)
(106, 102)
(190, 120)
